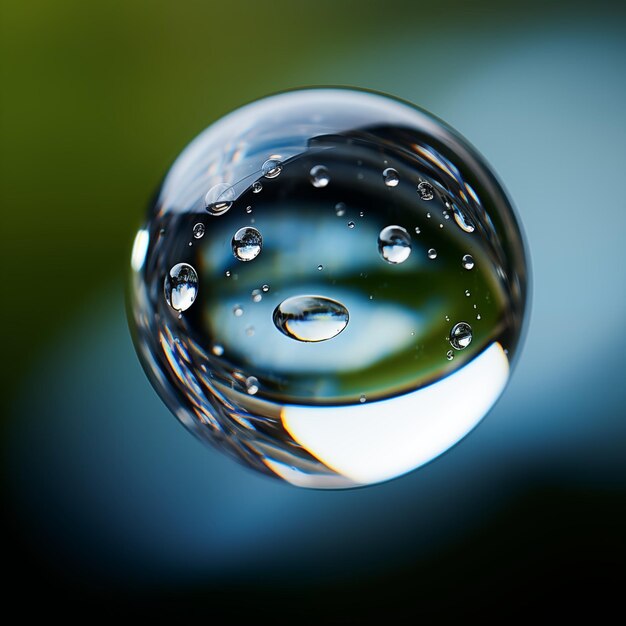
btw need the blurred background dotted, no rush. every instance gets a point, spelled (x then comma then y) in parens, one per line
(109, 503)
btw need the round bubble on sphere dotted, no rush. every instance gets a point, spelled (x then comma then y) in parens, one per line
(330, 286)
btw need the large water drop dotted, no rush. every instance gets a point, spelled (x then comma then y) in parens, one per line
(350, 374)
(310, 318)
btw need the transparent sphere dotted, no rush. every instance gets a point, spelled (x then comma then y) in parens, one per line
(330, 286)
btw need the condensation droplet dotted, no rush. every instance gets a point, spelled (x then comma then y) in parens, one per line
(417, 230)
(432, 253)
(468, 261)
(217, 350)
(265, 288)
(340, 209)
(320, 267)
(257, 186)
(181, 286)
(468, 293)
(219, 199)
(198, 230)
(250, 331)
(394, 244)
(310, 318)
(248, 209)
(272, 168)
(247, 243)
(237, 310)
(391, 177)
(252, 385)
(426, 191)
(227, 273)
(351, 224)
(256, 295)
(461, 336)
(449, 355)
(362, 399)
(319, 176)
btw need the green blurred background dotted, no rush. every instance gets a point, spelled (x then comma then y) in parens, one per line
(98, 98)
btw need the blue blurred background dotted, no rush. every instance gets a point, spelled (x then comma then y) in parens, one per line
(109, 502)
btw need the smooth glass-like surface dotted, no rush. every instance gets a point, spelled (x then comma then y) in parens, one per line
(349, 241)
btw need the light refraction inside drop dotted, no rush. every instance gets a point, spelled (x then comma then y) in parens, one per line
(323, 274)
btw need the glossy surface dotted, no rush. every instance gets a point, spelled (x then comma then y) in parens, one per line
(364, 389)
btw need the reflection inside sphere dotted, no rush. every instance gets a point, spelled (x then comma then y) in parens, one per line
(330, 341)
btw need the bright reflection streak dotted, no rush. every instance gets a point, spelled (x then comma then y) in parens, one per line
(140, 248)
(376, 441)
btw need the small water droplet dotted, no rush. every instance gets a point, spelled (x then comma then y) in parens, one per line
(256, 295)
(320, 267)
(248, 209)
(362, 399)
(417, 230)
(340, 209)
(217, 350)
(227, 273)
(272, 168)
(449, 355)
(250, 331)
(478, 316)
(440, 225)
(319, 176)
(461, 336)
(468, 261)
(394, 244)
(467, 293)
(428, 215)
(425, 191)
(447, 318)
(361, 214)
(257, 186)
(181, 286)
(265, 288)
(464, 222)
(432, 253)
(252, 385)
(247, 243)
(350, 224)
(219, 199)
(391, 178)
(198, 230)
(310, 318)
(237, 310)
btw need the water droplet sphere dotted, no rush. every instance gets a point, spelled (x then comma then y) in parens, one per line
(351, 374)
(394, 244)
(181, 286)
(310, 318)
